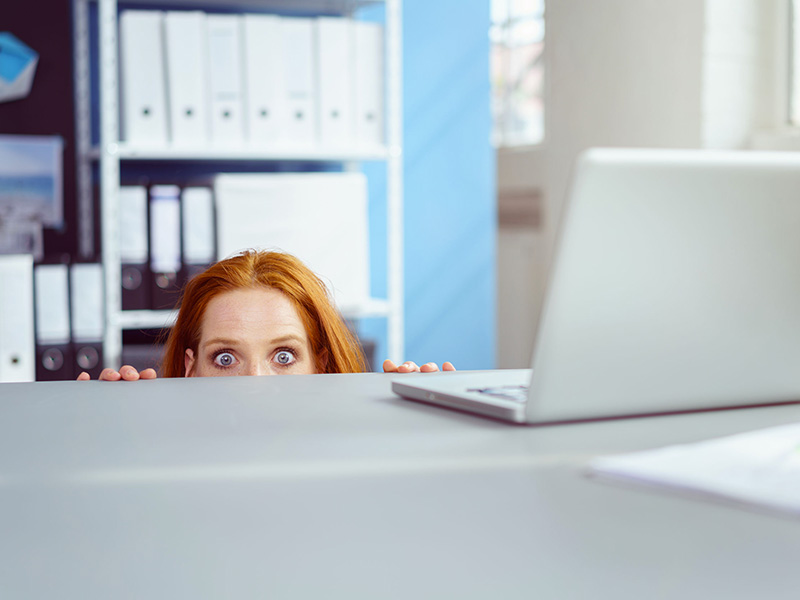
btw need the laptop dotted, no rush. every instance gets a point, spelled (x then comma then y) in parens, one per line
(675, 287)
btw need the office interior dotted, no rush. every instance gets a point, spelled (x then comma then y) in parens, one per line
(479, 219)
(334, 486)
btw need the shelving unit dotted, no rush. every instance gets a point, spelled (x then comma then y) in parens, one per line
(127, 152)
(111, 152)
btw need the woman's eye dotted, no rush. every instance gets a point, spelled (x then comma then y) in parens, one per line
(224, 359)
(284, 357)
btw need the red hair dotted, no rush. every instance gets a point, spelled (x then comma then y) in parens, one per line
(335, 348)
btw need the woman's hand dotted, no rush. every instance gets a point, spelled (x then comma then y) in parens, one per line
(410, 367)
(125, 373)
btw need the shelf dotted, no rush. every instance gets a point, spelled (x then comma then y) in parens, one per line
(158, 319)
(110, 153)
(272, 153)
(306, 7)
(371, 308)
(147, 319)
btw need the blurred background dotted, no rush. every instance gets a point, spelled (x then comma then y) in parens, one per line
(416, 154)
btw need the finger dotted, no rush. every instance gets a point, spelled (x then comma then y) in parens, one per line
(128, 373)
(448, 366)
(430, 367)
(408, 367)
(109, 375)
(389, 366)
(148, 374)
(84, 376)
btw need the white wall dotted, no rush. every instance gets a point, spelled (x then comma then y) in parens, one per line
(637, 73)
(621, 73)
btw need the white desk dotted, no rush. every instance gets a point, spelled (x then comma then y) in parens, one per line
(331, 487)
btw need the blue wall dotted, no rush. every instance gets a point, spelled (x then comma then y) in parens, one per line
(449, 196)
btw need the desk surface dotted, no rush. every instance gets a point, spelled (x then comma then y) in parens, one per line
(332, 487)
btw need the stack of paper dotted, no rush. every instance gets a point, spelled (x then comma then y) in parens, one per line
(759, 469)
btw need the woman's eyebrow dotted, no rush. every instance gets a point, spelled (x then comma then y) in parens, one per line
(220, 341)
(287, 338)
(291, 337)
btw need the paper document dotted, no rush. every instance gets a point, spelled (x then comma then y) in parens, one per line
(759, 469)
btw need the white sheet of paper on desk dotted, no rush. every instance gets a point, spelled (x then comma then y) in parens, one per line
(759, 468)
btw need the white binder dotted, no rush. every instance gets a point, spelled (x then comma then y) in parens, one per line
(225, 78)
(197, 216)
(52, 304)
(53, 349)
(185, 42)
(335, 83)
(298, 64)
(369, 83)
(87, 312)
(165, 246)
(265, 89)
(17, 347)
(133, 224)
(86, 302)
(319, 217)
(165, 229)
(144, 106)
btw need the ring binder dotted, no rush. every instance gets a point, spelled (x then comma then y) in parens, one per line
(165, 245)
(133, 248)
(86, 311)
(53, 351)
(17, 348)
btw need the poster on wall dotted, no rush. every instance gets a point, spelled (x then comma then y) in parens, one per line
(31, 191)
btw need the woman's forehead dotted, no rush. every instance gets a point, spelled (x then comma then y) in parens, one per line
(255, 310)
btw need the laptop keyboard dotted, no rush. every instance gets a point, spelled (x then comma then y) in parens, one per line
(515, 393)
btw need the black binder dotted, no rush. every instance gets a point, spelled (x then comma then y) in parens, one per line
(135, 280)
(135, 275)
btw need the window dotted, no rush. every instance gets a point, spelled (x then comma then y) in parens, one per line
(517, 71)
(794, 63)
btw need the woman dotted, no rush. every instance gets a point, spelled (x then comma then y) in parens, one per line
(258, 313)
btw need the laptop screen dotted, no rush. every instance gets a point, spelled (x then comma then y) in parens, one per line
(675, 285)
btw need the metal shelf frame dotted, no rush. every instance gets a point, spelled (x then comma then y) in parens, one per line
(249, 153)
(111, 152)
